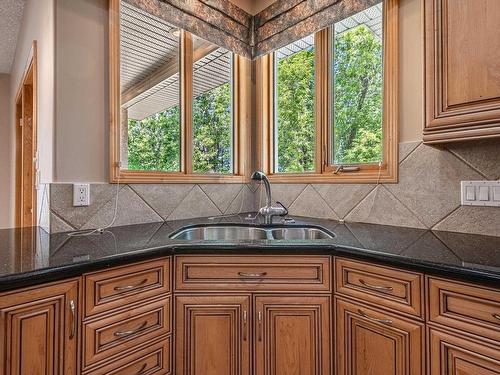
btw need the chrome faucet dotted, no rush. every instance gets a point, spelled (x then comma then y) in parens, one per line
(268, 211)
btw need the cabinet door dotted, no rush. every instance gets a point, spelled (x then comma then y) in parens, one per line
(212, 335)
(453, 355)
(371, 342)
(39, 330)
(292, 335)
(462, 51)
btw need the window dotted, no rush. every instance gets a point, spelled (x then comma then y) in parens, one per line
(294, 107)
(174, 117)
(334, 102)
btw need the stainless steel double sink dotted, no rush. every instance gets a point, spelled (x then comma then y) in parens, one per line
(235, 233)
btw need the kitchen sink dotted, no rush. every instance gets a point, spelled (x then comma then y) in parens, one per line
(235, 233)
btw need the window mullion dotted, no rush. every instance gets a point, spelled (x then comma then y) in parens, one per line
(186, 102)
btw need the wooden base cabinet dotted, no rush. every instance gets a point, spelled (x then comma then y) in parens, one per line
(372, 342)
(39, 330)
(213, 334)
(454, 355)
(292, 335)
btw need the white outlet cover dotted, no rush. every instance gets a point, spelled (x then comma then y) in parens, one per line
(81, 195)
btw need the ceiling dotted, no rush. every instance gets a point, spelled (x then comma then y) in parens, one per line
(11, 14)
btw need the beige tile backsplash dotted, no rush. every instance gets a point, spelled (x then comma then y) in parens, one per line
(427, 196)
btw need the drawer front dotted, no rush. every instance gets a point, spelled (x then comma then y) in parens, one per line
(263, 273)
(122, 286)
(385, 287)
(153, 359)
(465, 307)
(112, 335)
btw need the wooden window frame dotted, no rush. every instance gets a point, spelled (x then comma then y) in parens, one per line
(240, 112)
(324, 169)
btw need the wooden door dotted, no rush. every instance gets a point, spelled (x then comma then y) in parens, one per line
(462, 69)
(213, 334)
(371, 342)
(26, 145)
(455, 355)
(39, 330)
(292, 335)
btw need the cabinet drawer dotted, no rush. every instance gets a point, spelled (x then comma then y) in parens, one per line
(385, 287)
(288, 273)
(112, 335)
(465, 307)
(153, 359)
(122, 286)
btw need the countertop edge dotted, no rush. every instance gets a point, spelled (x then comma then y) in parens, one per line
(58, 273)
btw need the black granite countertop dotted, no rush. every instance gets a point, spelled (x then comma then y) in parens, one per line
(32, 256)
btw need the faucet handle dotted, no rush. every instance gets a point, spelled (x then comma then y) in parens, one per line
(284, 208)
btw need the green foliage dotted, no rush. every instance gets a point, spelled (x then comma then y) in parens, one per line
(212, 133)
(358, 96)
(154, 143)
(295, 112)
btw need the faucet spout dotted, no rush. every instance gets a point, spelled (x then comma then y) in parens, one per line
(268, 211)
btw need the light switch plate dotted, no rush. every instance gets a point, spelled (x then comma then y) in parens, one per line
(81, 195)
(480, 193)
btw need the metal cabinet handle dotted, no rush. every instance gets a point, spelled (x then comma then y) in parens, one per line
(383, 288)
(142, 369)
(245, 325)
(496, 316)
(259, 319)
(72, 307)
(130, 287)
(130, 333)
(253, 275)
(383, 321)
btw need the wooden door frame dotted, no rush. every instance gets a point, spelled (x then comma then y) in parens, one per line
(29, 80)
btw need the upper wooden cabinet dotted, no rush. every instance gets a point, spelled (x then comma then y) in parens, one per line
(462, 70)
(39, 330)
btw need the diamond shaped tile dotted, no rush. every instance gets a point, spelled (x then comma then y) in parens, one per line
(61, 202)
(474, 220)
(309, 203)
(131, 210)
(342, 198)
(405, 149)
(221, 194)
(483, 155)
(163, 198)
(429, 183)
(381, 207)
(195, 204)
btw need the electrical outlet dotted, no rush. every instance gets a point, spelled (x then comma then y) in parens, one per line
(81, 195)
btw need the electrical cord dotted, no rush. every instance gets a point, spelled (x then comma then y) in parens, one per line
(101, 230)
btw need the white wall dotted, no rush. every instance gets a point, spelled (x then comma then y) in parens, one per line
(6, 154)
(38, 24)
(81, 137)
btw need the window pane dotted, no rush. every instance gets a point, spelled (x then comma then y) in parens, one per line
(358, 88)
(149, 78)
(295, 131)
(212, 109)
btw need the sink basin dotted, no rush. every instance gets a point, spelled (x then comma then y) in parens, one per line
(297, 233)
(235, 233)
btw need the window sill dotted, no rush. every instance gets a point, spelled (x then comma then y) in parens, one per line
(362, 177)
(150, 177)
